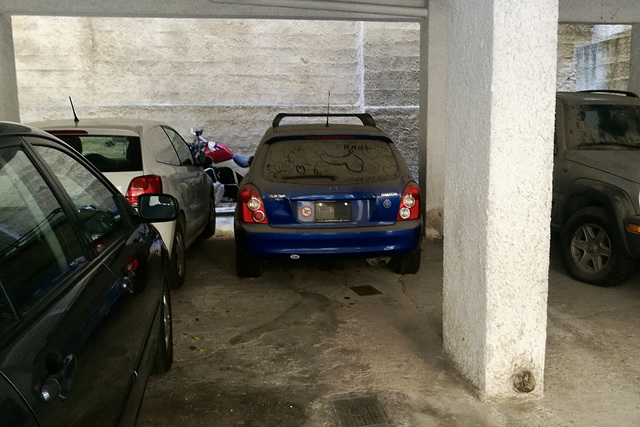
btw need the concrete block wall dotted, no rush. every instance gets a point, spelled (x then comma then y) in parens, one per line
(229, 77)
(604, 64)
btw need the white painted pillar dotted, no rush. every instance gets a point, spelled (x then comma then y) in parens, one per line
(9, 110)
(433, 111)
(499, 154)
(634, 62)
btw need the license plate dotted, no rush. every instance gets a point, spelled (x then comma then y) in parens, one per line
(333, 211)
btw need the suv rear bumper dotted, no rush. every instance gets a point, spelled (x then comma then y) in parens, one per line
(263, 241)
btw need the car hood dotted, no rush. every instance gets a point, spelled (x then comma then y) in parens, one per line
(622, 163)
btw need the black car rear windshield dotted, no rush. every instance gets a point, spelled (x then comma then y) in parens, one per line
(108, 153)
(330, 161)
(603, 127)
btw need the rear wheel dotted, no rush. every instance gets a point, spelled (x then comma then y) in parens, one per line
(163, 357)
(210, 229)
(246, 265)
(407, 264)
(592, 251)
(178, 266)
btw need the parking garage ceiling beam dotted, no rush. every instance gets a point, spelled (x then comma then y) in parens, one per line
(410, 10)
(599, 11)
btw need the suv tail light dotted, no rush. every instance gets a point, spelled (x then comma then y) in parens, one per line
(251, 205)
(146, 184)
(410, 202)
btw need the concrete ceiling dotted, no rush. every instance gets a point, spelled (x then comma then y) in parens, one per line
(570, 11)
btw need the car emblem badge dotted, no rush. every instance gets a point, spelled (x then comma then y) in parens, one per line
(333, 188)
(386, 203)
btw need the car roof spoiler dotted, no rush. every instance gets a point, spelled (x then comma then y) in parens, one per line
(365, 118)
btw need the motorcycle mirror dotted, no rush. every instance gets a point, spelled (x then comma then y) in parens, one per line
(204, 161)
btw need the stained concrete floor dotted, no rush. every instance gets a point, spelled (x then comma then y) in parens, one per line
(283, 349)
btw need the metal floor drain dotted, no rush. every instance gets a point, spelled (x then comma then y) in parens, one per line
(365, 290)
(360, 411)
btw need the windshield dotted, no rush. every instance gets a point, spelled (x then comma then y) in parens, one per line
(330, 161)
(603, 127)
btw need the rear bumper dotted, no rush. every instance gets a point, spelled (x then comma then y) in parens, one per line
(263, 241)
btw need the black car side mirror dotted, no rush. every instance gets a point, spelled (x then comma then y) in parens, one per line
(157, 207)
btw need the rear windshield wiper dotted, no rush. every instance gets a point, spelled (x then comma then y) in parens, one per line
(331, 177)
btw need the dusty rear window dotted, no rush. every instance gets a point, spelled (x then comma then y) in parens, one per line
(330, 161)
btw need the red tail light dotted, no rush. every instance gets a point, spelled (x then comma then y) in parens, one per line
(251, 205)
(410, 202)
(147, 184)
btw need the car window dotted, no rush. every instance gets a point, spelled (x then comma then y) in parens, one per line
(333, 161)
(108, 153)
(38, 247)
(166, 152)
(181, 147)
(101, 218)
(603, 127)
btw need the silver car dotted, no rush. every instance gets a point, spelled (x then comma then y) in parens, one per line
(143, 156)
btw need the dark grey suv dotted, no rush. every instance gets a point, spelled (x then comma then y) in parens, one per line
(596, 184)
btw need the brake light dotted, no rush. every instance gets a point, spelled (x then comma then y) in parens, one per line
(410, 202)
(251, 205)
(146, 184)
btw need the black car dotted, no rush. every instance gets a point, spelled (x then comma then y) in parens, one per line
(85, 310)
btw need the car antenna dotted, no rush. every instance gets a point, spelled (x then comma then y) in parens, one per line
(75, 117)
(328, 105)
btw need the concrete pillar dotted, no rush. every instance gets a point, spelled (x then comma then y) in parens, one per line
(499, 156)
(634, 60)
(433, 107)
(9, 110)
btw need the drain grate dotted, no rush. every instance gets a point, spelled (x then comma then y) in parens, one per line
(360, 411)
(365, 290)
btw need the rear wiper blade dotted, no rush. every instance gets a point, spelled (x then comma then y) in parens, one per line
(331, 177)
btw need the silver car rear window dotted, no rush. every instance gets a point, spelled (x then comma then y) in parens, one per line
(330, 161)
(108, 153)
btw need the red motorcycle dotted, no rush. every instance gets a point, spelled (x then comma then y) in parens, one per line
(228, 168)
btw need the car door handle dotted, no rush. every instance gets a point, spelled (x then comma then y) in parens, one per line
(128, 282)
(59, 383)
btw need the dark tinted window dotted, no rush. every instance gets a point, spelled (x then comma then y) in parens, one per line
(330, 161)
(108, 153)
(96, 205)
(38, 247)
(603, 127)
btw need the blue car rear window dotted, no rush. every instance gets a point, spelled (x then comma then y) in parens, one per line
(332, 160)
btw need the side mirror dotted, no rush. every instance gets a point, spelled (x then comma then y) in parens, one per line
(157, 207)
(204, 161)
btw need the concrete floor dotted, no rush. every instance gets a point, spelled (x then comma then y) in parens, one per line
(287, 348)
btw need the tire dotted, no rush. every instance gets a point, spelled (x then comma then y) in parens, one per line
(592, 251)
(407, 264)
(246, 265)
(178, 267)
(210, 229)
(163, 356)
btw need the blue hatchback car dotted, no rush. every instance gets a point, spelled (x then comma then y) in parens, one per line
(325, 189)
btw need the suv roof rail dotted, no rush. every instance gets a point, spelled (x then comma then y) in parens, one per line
(365, 118)
(612, 91)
